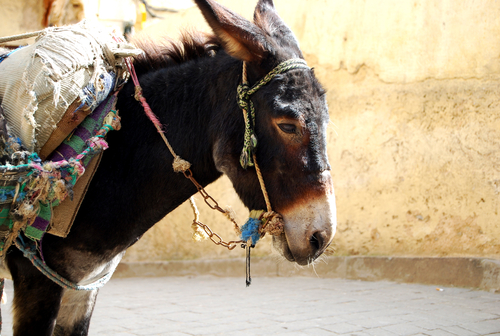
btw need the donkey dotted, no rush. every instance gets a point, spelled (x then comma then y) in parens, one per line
(191, 85)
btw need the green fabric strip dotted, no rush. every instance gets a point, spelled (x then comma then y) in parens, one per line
(4, 213)
(45, 211)
(91, 125)
(76, 143)
(33, 233)
(5, 218)
(41, 223)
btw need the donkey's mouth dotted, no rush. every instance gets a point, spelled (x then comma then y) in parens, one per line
(281, 245)
(287, 253)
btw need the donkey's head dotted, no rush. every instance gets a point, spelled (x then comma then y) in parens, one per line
(290, 127)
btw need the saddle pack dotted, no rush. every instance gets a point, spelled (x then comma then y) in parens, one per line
(57, 103)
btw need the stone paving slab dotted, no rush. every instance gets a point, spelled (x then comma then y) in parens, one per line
(207, 305)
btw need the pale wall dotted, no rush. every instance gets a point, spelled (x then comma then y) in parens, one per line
(17, 17)
(414, 142)
(413, 89)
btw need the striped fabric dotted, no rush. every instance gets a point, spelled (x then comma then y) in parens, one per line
(10, 181)
(70, 148)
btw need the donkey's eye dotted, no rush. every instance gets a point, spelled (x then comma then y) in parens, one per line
(288, 128)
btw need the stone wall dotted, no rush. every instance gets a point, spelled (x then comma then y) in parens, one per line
(413, 90)
(17, 17)
(414, 143)
(414, 94)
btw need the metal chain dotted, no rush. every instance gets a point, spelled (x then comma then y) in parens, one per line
(230, 245)
(212, 203)
(181, 165)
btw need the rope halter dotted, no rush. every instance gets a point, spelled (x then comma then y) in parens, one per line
(260, 221)
(245, 92)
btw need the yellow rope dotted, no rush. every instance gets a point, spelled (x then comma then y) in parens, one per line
(272, 221)
(179, 164)
(262, 185)
(195, 209)
(257, 168)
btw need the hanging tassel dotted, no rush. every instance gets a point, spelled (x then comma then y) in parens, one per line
(248, 277)
(250, 230)
(2, 283)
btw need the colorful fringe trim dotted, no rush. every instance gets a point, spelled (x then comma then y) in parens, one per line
(42, 186)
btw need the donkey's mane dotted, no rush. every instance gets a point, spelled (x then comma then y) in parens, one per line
(167, 52)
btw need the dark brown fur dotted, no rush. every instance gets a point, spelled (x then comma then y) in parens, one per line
(191, 45)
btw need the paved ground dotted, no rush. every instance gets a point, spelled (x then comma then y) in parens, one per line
(286, 306)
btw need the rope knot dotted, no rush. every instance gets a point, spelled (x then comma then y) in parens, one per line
(250, 139)
(113, 120)
(243, 96)
(180, 165)
(260, 223)
(272, 223)
(138, 93)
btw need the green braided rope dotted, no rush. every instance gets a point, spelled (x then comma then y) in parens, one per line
(249, 139)
(285, 66)
(245, 103)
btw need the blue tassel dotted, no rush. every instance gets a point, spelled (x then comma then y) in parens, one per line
(251, 230)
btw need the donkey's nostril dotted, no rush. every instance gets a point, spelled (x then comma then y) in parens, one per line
(316, 242)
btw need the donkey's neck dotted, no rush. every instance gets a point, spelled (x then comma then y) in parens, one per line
(135, 177)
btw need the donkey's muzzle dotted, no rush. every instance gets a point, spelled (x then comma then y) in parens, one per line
(309, 229)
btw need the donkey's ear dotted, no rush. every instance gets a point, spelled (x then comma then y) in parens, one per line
(267, 18)
(240, 37)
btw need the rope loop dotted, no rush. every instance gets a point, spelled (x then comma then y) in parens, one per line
(260, 222)
(272, 223)
(294, 63)
(244, 94)
(30, 251)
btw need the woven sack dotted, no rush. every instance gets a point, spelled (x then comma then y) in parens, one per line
(38, 83)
